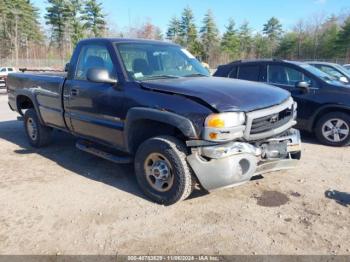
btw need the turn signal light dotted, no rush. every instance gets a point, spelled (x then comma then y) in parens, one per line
(213, 136)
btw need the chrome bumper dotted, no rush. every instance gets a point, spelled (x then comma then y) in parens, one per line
(235, 163)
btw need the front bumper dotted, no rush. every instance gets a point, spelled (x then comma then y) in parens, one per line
(235, 163)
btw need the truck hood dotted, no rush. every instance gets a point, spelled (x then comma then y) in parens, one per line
(222, 94)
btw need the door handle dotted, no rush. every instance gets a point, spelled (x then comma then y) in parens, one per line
(74, 92)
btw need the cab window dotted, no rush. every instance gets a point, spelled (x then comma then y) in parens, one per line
(93, 56)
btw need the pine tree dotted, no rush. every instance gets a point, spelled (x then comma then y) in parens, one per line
(273, 30)
(74, 10)
(261, 46)
(245, 39)
(57, 18)
(173, 32)
(188, 30)
(94, 18)
(230, 40)
(287, 48)
(328, 38)
(209, 35)
(343, 40)
(19, 27)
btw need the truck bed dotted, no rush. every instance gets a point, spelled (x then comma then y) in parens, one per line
(46, 88)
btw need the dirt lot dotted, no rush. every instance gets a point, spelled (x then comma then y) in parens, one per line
(59, 200)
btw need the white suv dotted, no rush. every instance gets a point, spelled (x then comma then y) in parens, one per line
(4, 71)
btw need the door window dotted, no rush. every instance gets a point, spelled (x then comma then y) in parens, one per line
(93, 56)
(249, 72)
(285, 75)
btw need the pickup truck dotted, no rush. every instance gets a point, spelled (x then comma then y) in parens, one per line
(4, 72)
(153, 104)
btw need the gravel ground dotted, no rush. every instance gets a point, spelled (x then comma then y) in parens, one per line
(59, 200)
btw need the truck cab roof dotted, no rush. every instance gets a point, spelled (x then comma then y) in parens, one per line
(125, 40)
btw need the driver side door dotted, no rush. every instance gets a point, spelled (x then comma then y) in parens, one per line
(95, 109)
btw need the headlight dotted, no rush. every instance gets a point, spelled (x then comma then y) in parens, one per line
(224, 126)
(225, 120)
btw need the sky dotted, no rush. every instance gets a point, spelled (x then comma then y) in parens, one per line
(123, 13)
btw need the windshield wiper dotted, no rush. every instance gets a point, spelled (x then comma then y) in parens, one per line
(196, 75)
(159, 77)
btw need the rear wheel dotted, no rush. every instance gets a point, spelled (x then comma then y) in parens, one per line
(334, 129)
(38, 135)
(162, 171)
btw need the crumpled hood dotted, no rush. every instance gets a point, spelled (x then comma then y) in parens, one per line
(221, 93)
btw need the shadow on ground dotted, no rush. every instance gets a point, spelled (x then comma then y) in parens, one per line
(309, 138)
(63, 152)
(341, 198)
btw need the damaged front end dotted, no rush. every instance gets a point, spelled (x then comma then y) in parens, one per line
(236, 162)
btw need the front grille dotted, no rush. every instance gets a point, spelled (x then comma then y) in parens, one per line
(270, 122)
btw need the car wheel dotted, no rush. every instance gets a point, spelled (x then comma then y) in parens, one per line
(334, 129)
(162, 171)
(38, 135)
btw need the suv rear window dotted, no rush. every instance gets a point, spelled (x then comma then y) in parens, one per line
(249, 72)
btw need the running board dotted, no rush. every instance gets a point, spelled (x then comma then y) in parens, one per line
(89, 148)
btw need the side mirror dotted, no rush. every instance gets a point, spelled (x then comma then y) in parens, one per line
(100, 76)
(303, 86)
(343, 79)
(66, 67)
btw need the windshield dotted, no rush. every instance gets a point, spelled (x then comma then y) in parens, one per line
(144, 61)
(317, 72)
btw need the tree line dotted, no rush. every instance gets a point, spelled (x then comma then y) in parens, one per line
(22, 36)
(316, 38)
(73, 20)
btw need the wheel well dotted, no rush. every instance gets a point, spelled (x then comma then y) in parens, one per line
(329, 110)
(141, 130)
(24, 102)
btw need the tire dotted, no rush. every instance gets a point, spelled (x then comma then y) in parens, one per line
(296, 156)
(156, 156)
(325, 132)
(41, 136)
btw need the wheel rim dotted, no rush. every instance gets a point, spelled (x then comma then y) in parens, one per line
(159, 172)
(335, 130)
(32, 129)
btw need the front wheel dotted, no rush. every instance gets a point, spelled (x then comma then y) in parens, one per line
(162, 171)
(333, 129)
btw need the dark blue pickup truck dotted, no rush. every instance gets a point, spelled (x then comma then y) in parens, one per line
(152, 103)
